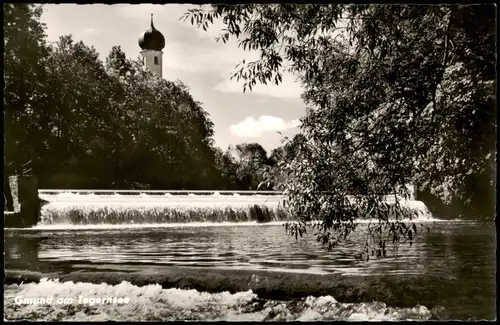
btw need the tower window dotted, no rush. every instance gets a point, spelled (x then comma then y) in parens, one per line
(156, 60)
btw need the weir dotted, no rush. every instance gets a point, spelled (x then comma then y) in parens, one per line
(157, 192)
(114, 206)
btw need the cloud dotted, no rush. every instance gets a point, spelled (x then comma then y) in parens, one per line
(89, 31)
(288, 89)
(295, 123)
(252, 128)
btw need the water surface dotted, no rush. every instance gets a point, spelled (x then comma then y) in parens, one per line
(459, 251)
(450, 248)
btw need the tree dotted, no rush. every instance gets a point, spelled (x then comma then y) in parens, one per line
(282, 156)
(80, 119)
(384, 86)
(288, 150)
(226, 168)
(25, 53)
(89, 124)
(252, 161)
(117, 62)
(149, 109)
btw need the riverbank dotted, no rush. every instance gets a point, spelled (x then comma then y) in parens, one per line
(440, 295)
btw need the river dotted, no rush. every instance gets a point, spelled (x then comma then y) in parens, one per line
(462, 252)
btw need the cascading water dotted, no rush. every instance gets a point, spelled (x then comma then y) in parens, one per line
(165, 208)
(77, 209)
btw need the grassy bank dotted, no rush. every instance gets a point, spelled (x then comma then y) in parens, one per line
(434, 293)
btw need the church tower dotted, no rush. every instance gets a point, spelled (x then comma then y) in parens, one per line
(152, 43)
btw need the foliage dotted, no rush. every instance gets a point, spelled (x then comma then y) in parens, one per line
(86, 123)
(79, 121)
(149, 111)
(396, 94)
(280, 157)
(227, 167)
(252, 161)
(89, 124)
(25, 54)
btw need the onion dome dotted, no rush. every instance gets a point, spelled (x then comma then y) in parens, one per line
(152, 39)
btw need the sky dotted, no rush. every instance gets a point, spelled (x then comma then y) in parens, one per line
(194, 57)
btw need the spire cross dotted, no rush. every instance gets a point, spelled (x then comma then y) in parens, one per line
(152, 21)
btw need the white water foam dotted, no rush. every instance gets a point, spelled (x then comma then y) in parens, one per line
(68, 226)
(153, 207)
(192, 200)
(148, 225)
(167, 198)
(153, 303)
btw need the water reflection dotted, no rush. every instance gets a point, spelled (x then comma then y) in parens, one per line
(22, 251)
(455, 249)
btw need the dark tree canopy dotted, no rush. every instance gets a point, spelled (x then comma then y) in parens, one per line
(396, 94)
(89, 124)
